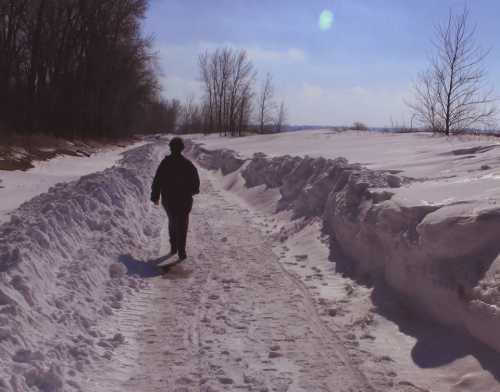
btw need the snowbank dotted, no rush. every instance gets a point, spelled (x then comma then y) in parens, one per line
(442, 256)
(59, 276)
(18, 186)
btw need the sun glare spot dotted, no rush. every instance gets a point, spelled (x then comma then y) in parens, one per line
(325, 20)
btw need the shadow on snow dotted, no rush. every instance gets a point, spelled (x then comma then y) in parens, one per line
(150, 268)
(143, 268)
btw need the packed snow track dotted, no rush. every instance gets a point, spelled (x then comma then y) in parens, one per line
(229, 318)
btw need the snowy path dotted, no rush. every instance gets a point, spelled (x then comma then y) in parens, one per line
(230, 318)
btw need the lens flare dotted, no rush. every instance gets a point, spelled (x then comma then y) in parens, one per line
(325, 20)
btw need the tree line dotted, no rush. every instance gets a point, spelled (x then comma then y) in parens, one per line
(84, 68)
(232, 103)
(79, 68)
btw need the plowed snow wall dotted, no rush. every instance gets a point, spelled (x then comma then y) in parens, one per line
(57, 255)
(443, 259)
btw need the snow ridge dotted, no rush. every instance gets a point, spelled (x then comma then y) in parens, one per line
(57, 276)
(441, 258)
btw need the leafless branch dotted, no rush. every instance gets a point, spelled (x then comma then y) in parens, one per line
(453, 93)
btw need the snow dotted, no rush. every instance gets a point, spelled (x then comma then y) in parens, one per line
(305, 271)
(415, 154)
(377, 328)
(58, 256)
(460, 159)
(416, 216)
(18, 186)
(228, 318)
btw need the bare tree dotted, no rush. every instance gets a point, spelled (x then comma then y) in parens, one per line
(425, 104)
(190, 116)
(453, 94)
(245, 107)
(359, 126)
(281, 118)
(242, 75)
(266, 105)
(161, 116)
(228, 76)
(186, 114)
(207, 78)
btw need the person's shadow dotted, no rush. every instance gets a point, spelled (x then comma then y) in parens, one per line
(141, 268)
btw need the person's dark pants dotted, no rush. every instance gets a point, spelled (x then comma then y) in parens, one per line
(178, 222)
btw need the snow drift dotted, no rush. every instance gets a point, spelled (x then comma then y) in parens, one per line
(444, 258)
(59, 276)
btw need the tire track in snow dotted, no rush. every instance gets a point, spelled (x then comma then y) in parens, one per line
(229, 318)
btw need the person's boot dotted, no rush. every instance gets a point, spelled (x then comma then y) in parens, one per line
(182, 255)
(173, 249)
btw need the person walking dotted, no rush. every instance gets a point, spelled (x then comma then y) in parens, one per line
(176, 181)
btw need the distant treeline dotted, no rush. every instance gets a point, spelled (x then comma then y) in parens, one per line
(232, 104)
(79, 68)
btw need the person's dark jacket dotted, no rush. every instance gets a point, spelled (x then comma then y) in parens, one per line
(177, 181)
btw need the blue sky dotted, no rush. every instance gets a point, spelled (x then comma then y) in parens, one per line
(361, 69)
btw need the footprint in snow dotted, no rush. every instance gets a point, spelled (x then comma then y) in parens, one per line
(226, 380)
